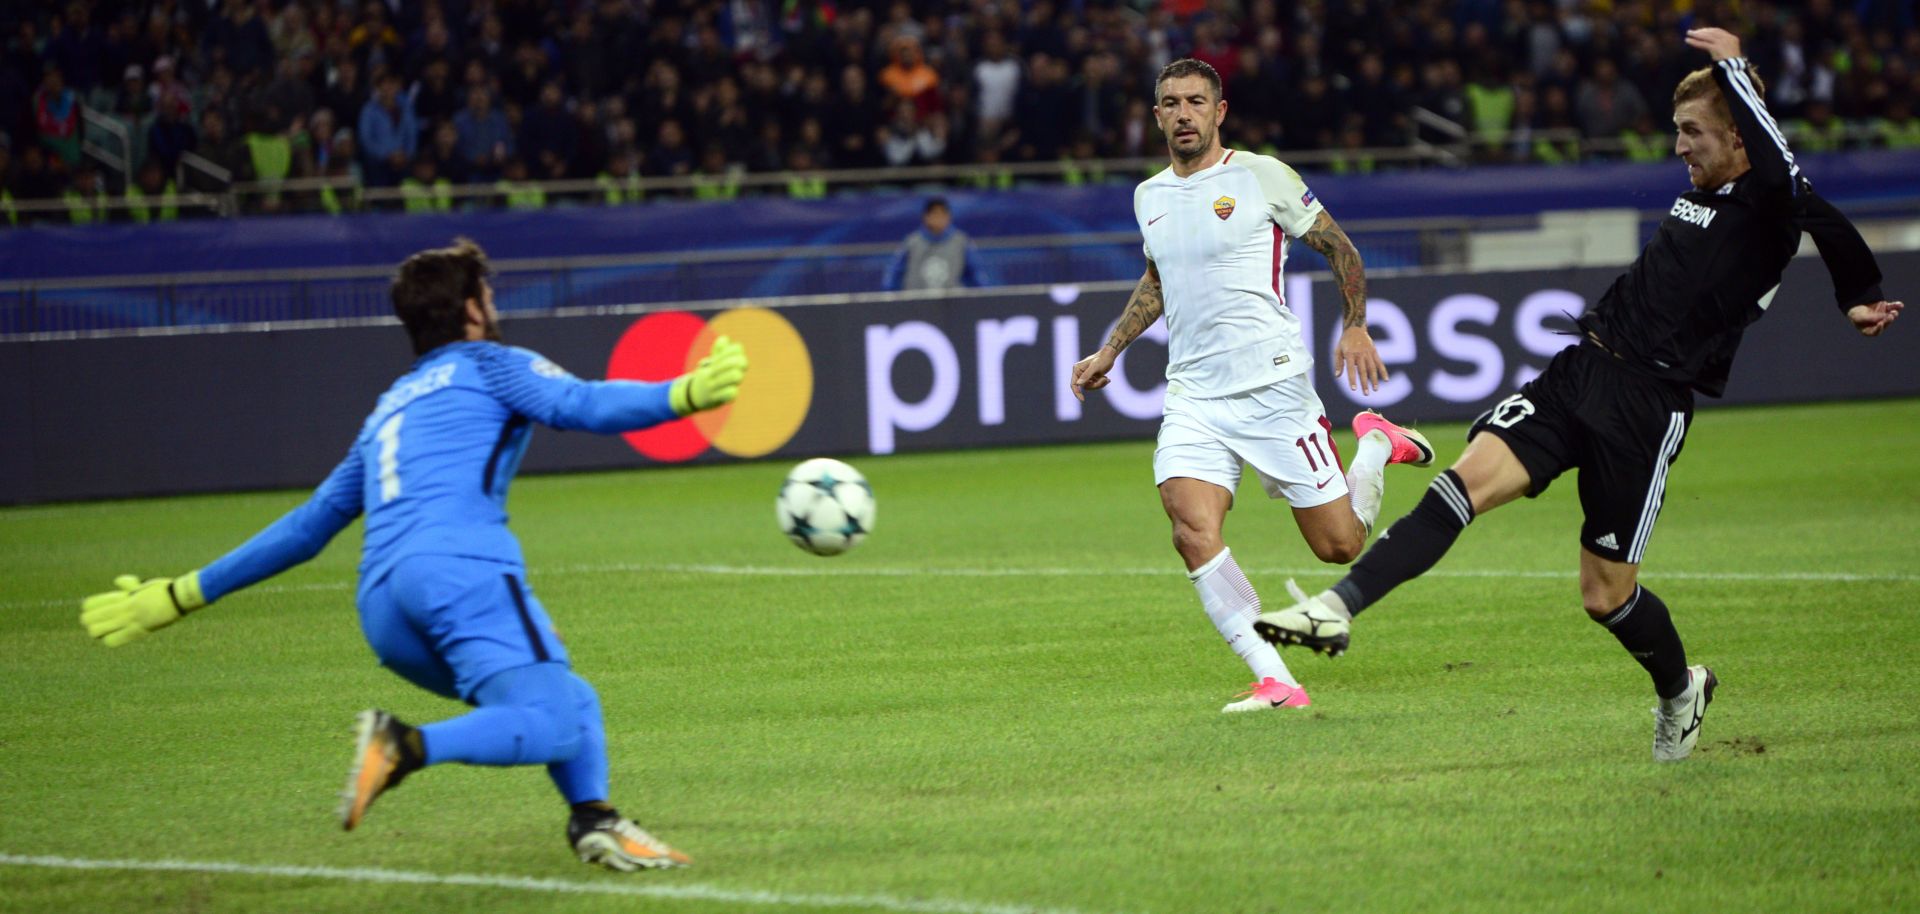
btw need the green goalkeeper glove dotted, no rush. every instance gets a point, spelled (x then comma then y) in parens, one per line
(715, 381)
(138, 607)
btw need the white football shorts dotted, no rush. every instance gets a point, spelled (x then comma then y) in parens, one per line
(1281, 431)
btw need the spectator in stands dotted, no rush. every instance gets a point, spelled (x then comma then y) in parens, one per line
(345, 93)
(1441, 94)
(56, 115)
(435, 97)
(490, 48)
(907, 139)
(436, 47)
(589, 141)
(321, 127)
(1378, 102)
(133, 101)
(373, 41)
(169, 136)
(238, 39)
(1308, 120)
(935, 256)
(719, 119)
(223, 150)
(812, 142)
(290, 95)
(1608, 104)
(670, 156)
(76, 47)
(292, 34)
(1819, 131)
(520, 84)
(36, 177)
(548, 135)
(907, 76)
(388, 133)
(485, 137)
(167, 91)
(449, 160)
(1900, 129)
(854, 121)
(732, 77)
(1044, 114)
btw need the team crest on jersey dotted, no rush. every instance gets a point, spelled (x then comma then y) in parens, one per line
(1223, 207)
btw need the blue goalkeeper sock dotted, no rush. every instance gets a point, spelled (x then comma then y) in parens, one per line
(584, 778)
(528, 715)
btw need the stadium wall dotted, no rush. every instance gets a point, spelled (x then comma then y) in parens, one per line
(306, 242)
(191, 412)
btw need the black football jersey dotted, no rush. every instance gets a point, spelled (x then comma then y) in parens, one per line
(1714, 264)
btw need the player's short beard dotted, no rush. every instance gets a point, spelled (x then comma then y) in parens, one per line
(1199, 149)
(491, 332)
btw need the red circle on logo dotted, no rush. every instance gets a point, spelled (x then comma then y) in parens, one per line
(655, 348)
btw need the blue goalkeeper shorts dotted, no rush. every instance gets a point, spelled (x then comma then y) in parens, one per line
(448, 624)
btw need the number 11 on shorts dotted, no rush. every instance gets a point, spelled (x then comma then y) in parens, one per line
(1318, 448)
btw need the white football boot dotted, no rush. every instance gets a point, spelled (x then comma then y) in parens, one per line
(1309, 623)
(1676, 723)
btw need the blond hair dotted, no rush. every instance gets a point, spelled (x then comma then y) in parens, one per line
(1700, 85)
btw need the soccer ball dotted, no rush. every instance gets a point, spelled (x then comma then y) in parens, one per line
(825, 506)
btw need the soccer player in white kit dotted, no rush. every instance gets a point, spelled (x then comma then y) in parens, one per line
(1217, 224)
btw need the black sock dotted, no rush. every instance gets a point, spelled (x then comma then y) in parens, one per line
(1411, 546)
(594, 809)
(1646, 630)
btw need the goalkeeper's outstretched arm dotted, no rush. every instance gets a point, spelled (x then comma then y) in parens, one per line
(542, 391)
(136, 607)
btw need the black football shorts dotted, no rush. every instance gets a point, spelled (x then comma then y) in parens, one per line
(1622, 429)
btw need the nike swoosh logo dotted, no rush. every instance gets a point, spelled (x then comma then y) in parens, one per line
(1322, 485)
(1156, 218)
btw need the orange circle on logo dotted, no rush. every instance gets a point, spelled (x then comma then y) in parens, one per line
(778, 388)
(774, 398)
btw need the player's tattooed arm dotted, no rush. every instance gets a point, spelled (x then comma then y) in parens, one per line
(1355, 356)
(1143, 308)
(1327, 237)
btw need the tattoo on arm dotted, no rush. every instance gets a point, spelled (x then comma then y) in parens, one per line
(1142, 310)
(1333, 244)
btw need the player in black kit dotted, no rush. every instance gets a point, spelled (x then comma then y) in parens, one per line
(1618, 404)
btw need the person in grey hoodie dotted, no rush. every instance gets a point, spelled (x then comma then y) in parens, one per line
(935, 256)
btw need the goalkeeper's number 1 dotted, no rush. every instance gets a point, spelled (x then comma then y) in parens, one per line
(389, 437)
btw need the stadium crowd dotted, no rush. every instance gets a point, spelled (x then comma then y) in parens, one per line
(428, 94)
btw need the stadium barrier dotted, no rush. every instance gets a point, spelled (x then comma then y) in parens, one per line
(173, 411)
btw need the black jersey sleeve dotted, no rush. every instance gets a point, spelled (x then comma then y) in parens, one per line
(1774, 171)
(1856, 275)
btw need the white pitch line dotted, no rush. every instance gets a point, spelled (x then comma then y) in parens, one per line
(1169, 570)
(693, 892)
(882, 571)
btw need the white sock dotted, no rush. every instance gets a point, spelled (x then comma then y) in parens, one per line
(1232, 605)
(1366, 476)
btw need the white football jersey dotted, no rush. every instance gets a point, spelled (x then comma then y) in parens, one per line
(1219, 239)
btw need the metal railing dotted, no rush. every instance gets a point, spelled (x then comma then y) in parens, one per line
(120, 163)
(221, 195)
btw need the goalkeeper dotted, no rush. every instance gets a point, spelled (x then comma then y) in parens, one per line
(443, 598)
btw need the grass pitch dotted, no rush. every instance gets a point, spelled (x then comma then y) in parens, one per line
(1008, 700)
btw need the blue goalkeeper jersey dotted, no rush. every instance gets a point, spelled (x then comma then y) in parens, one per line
(431, 465)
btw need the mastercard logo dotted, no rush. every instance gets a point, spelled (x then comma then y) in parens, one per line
(773, 400)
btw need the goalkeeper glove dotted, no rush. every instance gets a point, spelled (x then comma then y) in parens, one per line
(715, 381)
(138, 607)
